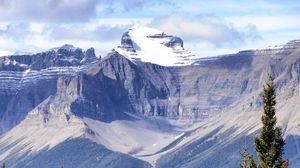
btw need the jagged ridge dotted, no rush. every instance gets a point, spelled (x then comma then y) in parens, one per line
(116, 88)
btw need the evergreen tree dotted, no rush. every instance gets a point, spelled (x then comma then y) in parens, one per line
(269, 145)
(248, 161)
(3, 165)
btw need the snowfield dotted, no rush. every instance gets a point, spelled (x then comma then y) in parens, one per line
(148, 44)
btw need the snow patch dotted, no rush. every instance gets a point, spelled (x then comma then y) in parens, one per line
(179, 136)
(148, 45)
(6, 53)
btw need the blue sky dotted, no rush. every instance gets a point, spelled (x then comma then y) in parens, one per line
(208, 27)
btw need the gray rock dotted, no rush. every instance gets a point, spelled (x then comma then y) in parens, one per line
(126, 42)
(110, 88)
(27, 80)
(77, 153)
(174, 42)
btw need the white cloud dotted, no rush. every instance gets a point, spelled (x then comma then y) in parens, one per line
(37, 43)
(47, 10)
(200, 34)
(235, 8)
(5, 53)
(80, 32)
(118, 22)
(267, 22)
(124, 6)
(207, 28)
(206, 49)
(35, 25)
(103, 34)
(62, 11)
(16, 31)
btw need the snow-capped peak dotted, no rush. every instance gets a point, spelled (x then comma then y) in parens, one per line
(6, 53)
(154, 46)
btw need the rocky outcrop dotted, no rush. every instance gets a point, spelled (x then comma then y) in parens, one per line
(27, 80)
(116, 86)
(127, 43)
(57, 88)
(174, 42)
(64, 56)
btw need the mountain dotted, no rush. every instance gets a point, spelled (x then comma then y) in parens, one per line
(68, 107)
(27, 80)
(154, 46)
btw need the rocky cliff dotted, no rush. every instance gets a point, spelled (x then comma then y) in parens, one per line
(69, 90)
(27, 80)
(114, 86)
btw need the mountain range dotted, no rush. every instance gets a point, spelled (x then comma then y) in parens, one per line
(147, 103)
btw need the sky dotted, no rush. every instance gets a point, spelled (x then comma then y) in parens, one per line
(207, 27)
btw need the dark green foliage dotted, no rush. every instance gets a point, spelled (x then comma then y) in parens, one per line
(3, 165)
(269, 145)
(248, 161)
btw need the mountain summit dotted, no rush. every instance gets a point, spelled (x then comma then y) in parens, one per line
(65, 106)
(154, 46)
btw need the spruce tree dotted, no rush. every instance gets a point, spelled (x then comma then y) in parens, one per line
(3, 165)
(247, 161)
(269, 145)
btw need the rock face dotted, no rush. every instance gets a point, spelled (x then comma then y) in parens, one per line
(68, 85)
(127, 43)
(27, 80)
(114, 86)
(191, 92)
(64, 56)
(174, 42)
(85, 153)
